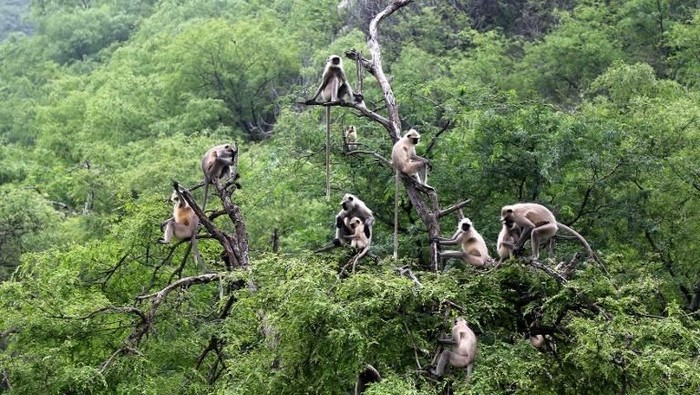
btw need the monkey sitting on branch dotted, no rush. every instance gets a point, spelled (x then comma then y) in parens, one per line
(463, 353)
(358, 239)
(334, 84)
(537, 223)
(405, 160)
(474, 250)
(182, 225)
(509, 235)
(352, 207)
(351, 138)
(216, 163)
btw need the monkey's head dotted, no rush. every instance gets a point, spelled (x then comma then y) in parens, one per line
(507, 215)
(334, 60)
(348, 202)
(229, 150)
(508, 223)
(413, 136)
(465, 224)
(350, 129)
(460, 321)
(354, 223)
(175, 198)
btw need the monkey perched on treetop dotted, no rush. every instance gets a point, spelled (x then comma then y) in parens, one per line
(537, 223)
(474, 250)
(182, 225)
(405, 160)
(216, 163)
(352, 207)
(463, 351)
(334, 83)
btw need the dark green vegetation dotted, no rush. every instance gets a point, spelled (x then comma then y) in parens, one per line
(589, 107)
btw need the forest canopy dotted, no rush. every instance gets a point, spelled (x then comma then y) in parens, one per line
(590, 108)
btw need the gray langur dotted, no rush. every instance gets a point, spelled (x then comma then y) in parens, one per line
(352, 207)
(474, 250)
(358, 239)
(334, 87)
(537, 223)
(366, 377)
(405, 160)
(509, 235)
(463, 351)
(351, 137)
(182, 225)
(334, 83)
(216, 163)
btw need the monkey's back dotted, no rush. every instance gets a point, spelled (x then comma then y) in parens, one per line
(400, 154)
(466, 345)
(536, 213)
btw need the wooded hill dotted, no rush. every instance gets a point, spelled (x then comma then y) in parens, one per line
(591, 108)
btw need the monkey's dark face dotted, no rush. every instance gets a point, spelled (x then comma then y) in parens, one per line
(466, 226)
(415, 140)
(506, 214)
(509, 223)
(335, 60)
(347, 202)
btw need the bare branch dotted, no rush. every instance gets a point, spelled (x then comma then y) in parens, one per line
(380, 158)
(453, 208)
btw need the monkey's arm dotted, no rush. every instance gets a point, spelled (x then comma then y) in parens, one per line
(324, 82)
(447, 341)
(526, 231)
(456, 238)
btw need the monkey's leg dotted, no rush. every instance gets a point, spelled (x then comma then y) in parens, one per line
(474, 260)
(340, 232)
(457, 360)
(452, 254)
(168, 235)
(442, 362)
(540, 235)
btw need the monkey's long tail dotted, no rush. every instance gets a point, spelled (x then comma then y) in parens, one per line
(206, 192)
(328, 153)
(583, 241)
(396, 217)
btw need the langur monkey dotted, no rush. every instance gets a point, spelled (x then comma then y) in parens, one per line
(510, 233)
(367, 376)
(474, 250)
(352, 207)
(536, 222)
(351, 138)
(334, 86)
(463, 351)
(358, 239)
(216, 163)
(182, 225)
(405, 160)
(334, 83)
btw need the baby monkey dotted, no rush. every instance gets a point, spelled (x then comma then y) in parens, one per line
(358, 238)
